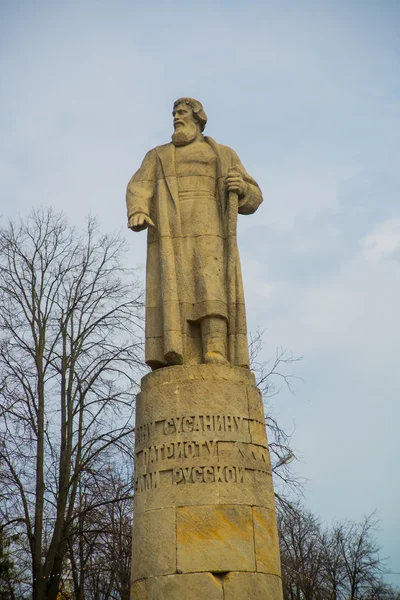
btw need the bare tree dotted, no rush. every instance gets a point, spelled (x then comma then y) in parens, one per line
(100, 553)
(382, 591)
(360, 553)
(301, 554)
(270, 376)
(7, 576)
(334, 564)
(338, 563)
(69, 360)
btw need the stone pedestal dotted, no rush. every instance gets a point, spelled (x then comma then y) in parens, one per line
(204, 512)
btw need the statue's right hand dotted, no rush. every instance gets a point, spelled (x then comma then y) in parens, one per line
(139, 221)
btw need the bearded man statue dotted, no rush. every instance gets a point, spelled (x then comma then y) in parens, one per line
(188, 194)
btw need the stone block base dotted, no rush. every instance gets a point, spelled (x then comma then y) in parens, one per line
(204, 513)
(209, 586)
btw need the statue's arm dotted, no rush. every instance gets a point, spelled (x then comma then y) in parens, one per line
(140, 193)
(251, 199)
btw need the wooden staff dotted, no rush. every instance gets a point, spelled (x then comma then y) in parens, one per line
(233, 203)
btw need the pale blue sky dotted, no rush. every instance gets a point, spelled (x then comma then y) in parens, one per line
(307, 93)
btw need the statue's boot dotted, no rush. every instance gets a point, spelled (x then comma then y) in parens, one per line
(214, 334)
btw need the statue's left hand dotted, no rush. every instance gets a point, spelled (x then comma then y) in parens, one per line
(234, 182)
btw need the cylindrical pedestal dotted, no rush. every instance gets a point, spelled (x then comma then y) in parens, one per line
(204, 513)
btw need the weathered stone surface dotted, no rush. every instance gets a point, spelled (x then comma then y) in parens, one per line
(189, 193)
(194, 586)
(177, 495)
(224, 433)
(154, 544)
(252, 586)
(257, 490)
(204, 499)
(266, 541)
(251, 456)
(256, 408)
(215, 538)
(139, 590)
(258, 433)
(186, 398)
(196, 372)
(179, 391)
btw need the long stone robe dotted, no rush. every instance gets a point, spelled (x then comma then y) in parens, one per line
(187, 251)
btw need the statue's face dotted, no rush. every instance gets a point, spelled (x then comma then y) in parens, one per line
(186, 128)
(183, 116)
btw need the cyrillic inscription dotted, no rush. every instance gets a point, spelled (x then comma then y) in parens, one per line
(148, 481)
(204, 423)
(251, 452)
(219, 424)
(210, 474)
(172, 451)
(176, 450)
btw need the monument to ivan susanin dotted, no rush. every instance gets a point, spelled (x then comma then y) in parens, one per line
(204, 513)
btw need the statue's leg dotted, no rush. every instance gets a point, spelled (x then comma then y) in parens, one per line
(214, 335)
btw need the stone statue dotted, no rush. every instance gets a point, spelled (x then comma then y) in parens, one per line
(204, 514)
(188, 194)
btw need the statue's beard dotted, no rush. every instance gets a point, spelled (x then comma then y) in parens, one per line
(185, 134)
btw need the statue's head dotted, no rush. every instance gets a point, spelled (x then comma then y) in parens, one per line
(189, 120)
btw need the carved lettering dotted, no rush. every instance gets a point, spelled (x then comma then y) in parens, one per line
(181, 460)
(148, 481)
(177, 450)
(188, 424)
(169, 450)
(230, 474)
(180, 449)
(197, 474)
(208, 474)
(215, 474)
(239, 474)
(169, 427)
(190, 449)
(145, 432)
(185, 475)
(238, 423)
(219, 421)
(187, 472)
(177, 423)
(241, 450)
(211, 446)
(218, 473)
(207, 424)
(177, 476)
(196, 423)
(256, 456)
